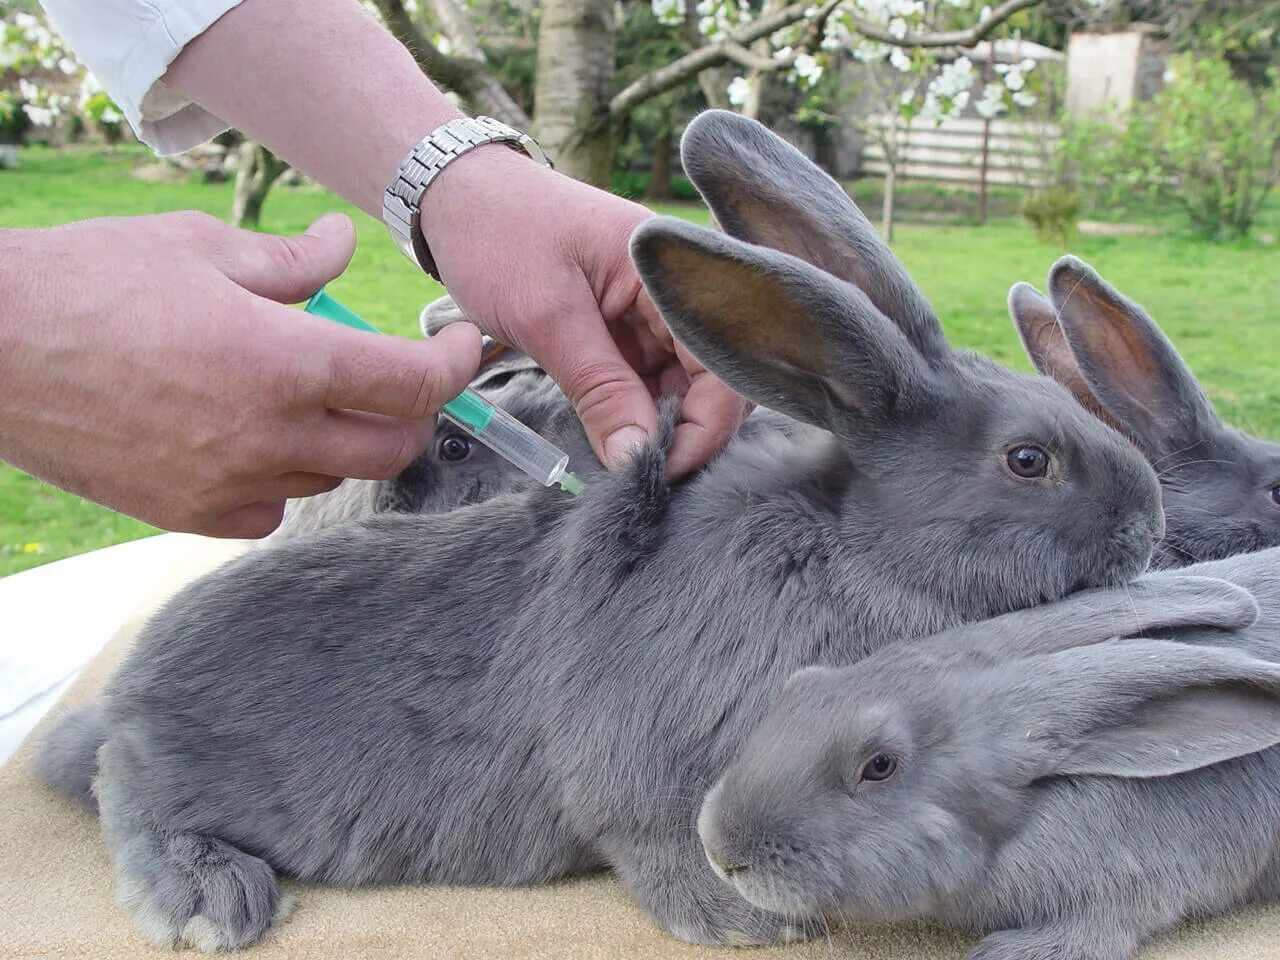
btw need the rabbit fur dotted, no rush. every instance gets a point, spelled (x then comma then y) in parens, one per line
(1221, 486)
(1066, 794)
(536, 685)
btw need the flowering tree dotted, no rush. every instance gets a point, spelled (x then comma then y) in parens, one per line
(52, 83)
(576, 105)
(731, 48)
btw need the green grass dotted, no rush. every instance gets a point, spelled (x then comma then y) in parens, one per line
(1220, 303)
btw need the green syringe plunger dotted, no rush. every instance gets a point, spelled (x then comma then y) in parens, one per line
(491, 425)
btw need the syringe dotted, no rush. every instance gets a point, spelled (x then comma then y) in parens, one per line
(492, 426)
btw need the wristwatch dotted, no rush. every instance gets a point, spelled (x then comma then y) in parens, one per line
(402, 202)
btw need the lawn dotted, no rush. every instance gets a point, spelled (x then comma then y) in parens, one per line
(1220, 303)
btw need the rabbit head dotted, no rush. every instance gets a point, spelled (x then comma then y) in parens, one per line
(1221, 486)
(881, 790)
(962, 463)
(456, 470)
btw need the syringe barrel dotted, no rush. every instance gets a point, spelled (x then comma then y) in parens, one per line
(509, 438)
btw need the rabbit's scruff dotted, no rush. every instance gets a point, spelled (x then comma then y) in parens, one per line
(538, 686)
(1221, 486)
(1029, 778)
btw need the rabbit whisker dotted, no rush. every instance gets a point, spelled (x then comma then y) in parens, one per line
(1156, 463)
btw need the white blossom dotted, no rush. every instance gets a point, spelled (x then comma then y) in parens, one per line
(869, 52)
(1024, 99)
(669, 12)
(954, 77)
(739, 91)
(899, 59)
(808, 69)
(992, 101)
(40, 116)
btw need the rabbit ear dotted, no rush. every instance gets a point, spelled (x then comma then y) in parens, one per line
(1129, 364)
(1156, 602)
(763, 190)
(1042, 338)
(438, 314)
(496, 359)
(777, 330)
(1144, 708)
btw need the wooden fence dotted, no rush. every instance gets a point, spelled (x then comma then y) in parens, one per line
(952, 150)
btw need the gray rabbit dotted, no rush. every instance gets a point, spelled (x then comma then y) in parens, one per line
(454, 470)
(458, 471)
(1028, 778)
(1221, 486)
(538, 685)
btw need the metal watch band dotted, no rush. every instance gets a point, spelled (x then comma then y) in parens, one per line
(402, 202)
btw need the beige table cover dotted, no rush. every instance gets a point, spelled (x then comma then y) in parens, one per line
(57, 899)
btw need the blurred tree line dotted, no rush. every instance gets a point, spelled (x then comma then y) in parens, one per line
(606, 85)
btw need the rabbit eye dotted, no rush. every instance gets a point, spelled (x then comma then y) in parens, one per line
(880, 767)
(1274, 493)
(455, 448)
(1027, 462)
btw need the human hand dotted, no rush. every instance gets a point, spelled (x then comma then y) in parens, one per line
(148, 363)
(541, 262)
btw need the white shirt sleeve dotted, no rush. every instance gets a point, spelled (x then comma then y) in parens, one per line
(128, 45)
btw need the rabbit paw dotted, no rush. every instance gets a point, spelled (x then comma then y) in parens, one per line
(201, 892)
(729, 921)
(182, 887)
(1055, 942)
(691, 903)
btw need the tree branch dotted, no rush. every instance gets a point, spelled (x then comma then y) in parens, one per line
(754, 61)
(946, 38)
(467, 73)
(711, 55)
(730, 49)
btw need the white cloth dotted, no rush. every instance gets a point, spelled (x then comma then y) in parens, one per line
(57, 617)
(128, 45)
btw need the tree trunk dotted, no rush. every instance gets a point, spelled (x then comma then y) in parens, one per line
(886, 209)
(714, 83)
(758, 80)
(259, 169)
(660, 169)
(574, 81)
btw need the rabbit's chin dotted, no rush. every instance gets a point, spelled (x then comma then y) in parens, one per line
(809, 901)
(1125, 556)
(768, 891)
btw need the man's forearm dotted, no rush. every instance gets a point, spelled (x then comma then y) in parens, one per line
(321, 83)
